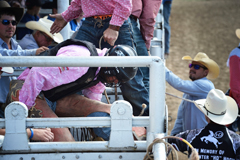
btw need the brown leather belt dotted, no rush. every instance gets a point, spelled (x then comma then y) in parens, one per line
(102, 17)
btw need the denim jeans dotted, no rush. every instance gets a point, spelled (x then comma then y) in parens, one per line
(51, 104)
(166, 14)
(141, 50)
(133, 90)
(101, 132)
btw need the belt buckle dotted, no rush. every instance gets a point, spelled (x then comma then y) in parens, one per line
(102, 17)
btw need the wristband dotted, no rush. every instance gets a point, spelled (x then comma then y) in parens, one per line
(32, 133)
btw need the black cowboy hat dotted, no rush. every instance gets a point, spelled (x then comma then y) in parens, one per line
(17, 12)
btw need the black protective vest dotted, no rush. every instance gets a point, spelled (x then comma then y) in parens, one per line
(86, 81)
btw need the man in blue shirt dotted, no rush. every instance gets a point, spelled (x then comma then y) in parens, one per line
(201, 68)
(8, 46)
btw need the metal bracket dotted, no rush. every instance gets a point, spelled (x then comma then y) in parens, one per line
(15, 122)
(121, 125)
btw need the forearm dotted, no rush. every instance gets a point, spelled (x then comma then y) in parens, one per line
(8, 52)
(2, 132)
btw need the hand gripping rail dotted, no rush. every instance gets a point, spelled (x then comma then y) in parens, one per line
(16, 145)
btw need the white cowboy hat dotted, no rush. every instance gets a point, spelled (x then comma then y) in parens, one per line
(207, 62)
(218, 107)
(6, 69)
(44, 25)
(238, 33)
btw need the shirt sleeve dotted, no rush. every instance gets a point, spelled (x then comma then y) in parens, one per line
(18, 52)
(28, 42)
(122, 11)
(195, 88)
(73, 11)
(147, 19)
(94, 92)
(235, 77)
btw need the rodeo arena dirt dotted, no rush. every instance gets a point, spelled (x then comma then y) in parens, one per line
(196, 26)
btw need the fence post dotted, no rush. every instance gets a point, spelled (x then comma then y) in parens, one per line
(121, 125)
(62, 6)
(15, 124)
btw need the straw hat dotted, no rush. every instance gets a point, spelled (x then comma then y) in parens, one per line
(6, 69)
(207, 62)
(218, 107)
(238, 33)
(44, 25)
(17, 12)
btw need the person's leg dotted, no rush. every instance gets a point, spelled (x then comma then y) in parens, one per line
(101, 132)
(141, 50)
(166, 14)
(134, 90)
(79, 106)
(39, 110)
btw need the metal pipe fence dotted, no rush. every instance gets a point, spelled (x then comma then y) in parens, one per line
(154, 123)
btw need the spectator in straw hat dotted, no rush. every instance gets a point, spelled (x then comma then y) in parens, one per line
(214, 141)
(234, 64)
(41, 35)
(200, 69)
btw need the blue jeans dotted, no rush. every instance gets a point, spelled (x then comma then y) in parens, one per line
(101, 132)
(166, 14)
(133, 90)
(141, 50)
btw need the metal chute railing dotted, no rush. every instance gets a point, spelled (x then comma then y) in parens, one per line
(157, 111)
